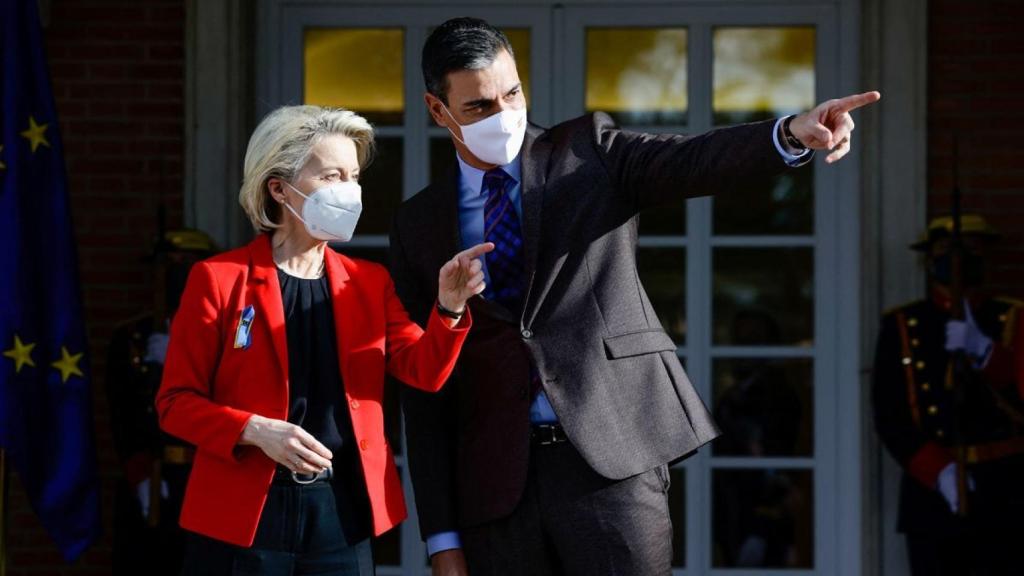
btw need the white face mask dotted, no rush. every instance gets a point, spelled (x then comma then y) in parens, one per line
(495, 139)
(331, 212)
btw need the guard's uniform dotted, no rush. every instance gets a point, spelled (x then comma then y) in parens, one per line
(143, 543)
(149, 541)
(915, 415)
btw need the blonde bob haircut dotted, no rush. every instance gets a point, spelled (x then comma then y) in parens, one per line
(280, 146)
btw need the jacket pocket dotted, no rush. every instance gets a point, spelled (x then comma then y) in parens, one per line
(637, 343)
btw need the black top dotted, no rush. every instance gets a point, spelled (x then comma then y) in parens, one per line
(316, 399)
(315, 389)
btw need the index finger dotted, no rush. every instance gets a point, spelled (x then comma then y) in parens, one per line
(476, 251)
(315, 446)
(857, 100)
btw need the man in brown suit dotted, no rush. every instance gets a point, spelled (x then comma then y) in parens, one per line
(548, 452)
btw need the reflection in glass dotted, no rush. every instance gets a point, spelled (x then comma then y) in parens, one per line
(443, 163)
(665, 220)
(638, 75)
(781, 205)
(773, 284)
(356, 68)
(762, 73)
(520, 39)
(378, 254)
(382, 187)
(663, 275)
(677, 510)
(764, 406)
(763, 518)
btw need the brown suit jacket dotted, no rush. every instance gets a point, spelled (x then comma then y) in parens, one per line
(607, 366)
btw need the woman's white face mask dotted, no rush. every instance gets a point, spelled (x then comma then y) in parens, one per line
(331, 212)
(495, 139)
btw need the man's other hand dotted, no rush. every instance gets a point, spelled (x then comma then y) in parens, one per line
(449, 563)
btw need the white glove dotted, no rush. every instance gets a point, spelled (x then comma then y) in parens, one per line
(156, 347)
(946, 485)
(965, 335)
(142, 494)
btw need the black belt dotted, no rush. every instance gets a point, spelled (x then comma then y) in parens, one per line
(546, 434)
(285, 476)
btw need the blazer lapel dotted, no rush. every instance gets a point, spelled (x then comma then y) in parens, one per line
(266, 299)
(536, 153)
(342, 303)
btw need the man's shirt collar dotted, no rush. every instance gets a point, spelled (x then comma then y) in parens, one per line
(473, 178)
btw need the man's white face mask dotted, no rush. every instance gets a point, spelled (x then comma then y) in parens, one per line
(495, 139)
(331, 212)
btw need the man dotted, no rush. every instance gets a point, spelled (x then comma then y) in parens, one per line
(918, 416)
(548, 451)
(155, 467)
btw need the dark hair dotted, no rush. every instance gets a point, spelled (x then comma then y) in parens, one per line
(459, 44)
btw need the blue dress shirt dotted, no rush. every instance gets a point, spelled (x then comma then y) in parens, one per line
(471, 227)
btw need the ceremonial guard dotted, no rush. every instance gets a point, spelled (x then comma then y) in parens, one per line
(155, 466)
(957, 433)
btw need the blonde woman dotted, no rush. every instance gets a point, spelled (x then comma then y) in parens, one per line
(276, 364)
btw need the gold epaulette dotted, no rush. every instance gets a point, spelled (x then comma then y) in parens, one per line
(903, 307)
(1008, 317)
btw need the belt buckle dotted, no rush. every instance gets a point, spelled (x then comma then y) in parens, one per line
(305, 479)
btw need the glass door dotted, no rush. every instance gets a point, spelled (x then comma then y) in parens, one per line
(746, 283)
(740, 280)
(367, 59)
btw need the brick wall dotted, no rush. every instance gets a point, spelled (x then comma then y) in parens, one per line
(117, 71)
(976, 78)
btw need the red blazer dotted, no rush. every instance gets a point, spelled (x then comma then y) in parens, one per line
(210, 388)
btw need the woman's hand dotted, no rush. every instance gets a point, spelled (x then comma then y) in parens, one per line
(287, 444)
(462, 277)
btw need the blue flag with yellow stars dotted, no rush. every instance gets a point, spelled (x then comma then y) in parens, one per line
(46, 424)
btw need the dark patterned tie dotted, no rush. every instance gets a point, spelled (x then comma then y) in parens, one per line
(501, 226)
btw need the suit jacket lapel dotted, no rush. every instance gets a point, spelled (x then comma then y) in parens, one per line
(535, 156)
(266, 299)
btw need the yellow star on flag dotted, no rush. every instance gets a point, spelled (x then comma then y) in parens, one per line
(68, 364)
(36, 133)
(21, 354)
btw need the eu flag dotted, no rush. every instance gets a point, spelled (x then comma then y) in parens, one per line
(45, 401)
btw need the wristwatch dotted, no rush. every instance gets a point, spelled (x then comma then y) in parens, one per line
(449, 313)
(791, 140)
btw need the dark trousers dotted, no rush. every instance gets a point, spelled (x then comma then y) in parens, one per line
(572, 521)
(299, 533)
(988, 553)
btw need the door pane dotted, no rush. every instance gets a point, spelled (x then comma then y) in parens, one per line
(520, 39)
(663, 275)
(762, 73)
(782, 205)
(638, 75)
(356, 68)
(677, 510)
(763, 296)
(382, 187)
(762, 518)
(442, 159)
(665, 220)
(764, 406)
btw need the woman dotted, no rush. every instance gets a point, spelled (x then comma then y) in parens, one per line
(276, 364)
